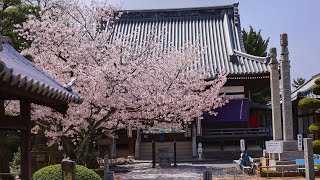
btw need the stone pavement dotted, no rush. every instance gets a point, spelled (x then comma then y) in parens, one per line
(184, 171)
(187, 171)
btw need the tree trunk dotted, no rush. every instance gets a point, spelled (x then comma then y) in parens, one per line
(4, 156)
(81, 149)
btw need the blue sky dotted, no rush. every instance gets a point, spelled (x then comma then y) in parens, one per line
(300, 19)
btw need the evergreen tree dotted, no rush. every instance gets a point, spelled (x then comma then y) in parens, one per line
(14, 12)
(254, 44)
(298, 82)
(314, 104)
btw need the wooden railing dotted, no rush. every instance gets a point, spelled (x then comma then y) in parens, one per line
(236, 132)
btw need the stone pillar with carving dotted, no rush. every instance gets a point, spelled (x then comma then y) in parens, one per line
(275, 95)
(286, 89)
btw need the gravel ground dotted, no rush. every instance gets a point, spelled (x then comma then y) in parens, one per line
(184, 171)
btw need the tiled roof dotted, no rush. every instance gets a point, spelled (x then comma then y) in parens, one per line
(216, 28)
(305, 90)
(18, 71)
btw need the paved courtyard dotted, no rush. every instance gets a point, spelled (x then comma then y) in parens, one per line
(184, 171)
(187, 171)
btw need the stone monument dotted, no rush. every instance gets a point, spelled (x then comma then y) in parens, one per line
(282, 132)
(275, 95)
(68, 169)
(286, 89)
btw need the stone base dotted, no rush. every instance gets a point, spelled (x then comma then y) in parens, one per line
(288, 155)
(108, 175)
(290, 145)
(272, 162)
(279, 163)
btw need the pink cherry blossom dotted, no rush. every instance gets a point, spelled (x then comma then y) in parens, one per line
(122, 81)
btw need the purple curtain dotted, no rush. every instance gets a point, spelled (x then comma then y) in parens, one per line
(236, 110)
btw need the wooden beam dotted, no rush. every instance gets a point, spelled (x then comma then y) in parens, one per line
(25, 115)
(12, 122)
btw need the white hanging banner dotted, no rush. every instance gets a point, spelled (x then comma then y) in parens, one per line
(129, 130)
(242, 145)
(199, 127)
(299, 138)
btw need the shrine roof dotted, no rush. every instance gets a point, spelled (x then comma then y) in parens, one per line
(216, 29)
(305, 91)
(18, 72)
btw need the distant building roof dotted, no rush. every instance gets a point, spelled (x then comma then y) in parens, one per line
(19, 72)
(305, 90)
(216, 28)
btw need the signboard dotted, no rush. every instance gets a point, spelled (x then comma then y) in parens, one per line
(299, 138)
(242, 145)
(274, 146)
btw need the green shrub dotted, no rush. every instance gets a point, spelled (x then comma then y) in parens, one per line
(54, 172)
(317, 81)
(316, 143)
(314, 127)
(316, 151)
(309, 103)
(316, 89)
(15, 163)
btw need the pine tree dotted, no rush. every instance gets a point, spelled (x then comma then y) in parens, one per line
(298, 82)
(13, 12)
(254, 44)
(314, 104)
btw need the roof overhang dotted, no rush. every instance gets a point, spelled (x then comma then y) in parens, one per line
(9, 92)
(22, 80)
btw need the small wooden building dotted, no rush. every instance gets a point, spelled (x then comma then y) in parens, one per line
(302, 117)
(21, 80)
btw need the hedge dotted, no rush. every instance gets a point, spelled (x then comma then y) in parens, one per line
(54, 172)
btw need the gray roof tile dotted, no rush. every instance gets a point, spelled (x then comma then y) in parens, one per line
(214, 27)
(17, 70)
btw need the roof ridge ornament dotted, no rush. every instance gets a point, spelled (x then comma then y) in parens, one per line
(3, 39)
(236, 14)
(69, 84)
(273, 56)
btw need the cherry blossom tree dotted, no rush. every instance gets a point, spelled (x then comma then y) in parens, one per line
(122, 81)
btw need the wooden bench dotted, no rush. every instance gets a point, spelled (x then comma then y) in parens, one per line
(246, 169)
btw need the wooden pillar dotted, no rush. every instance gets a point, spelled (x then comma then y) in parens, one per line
(25, 109)
(2, 110)
(4, 154)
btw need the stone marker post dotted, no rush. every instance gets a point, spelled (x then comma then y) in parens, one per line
(107, 175)
(275, 95)
(286, 89)
(207, 175)
(137, 145)
(153, 154)
(68, 168)
(175, 152)
(194, 140)
(308, 158)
